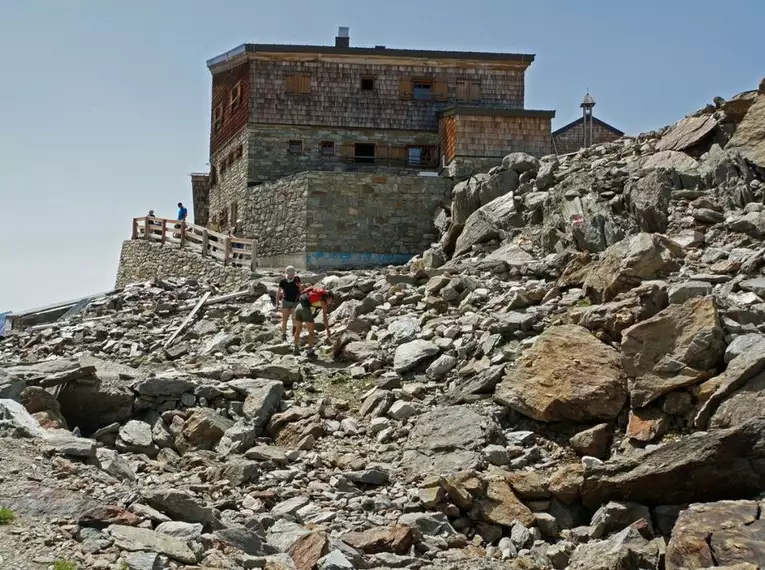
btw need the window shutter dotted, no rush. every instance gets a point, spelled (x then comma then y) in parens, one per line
(475, 91)
(289, 84)
(381, 151)
(462, 91)
(346, 150)
(398, 153)
(405, 90)
(305, 84)
(440, 90)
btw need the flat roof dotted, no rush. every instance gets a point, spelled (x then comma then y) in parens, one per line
(375, 51)
(496, 112)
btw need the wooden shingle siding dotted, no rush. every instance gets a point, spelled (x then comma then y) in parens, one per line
(337, 100)
(228, 85)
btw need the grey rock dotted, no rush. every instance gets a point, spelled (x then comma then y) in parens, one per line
(546, 174)
(649, 198)
(756, 286)
(283, 534)
(263, 400)
(15, 419)
(169, 387)
(241, 538)
(143, 561)
(489, 222)
(679, 293)
(143, 539)
(136, 437)
(180, 505)
(335, 560)
(429, 524)
(267, 453)
(520, 536)
(412, 354)
(114, 464)
(497, 185)
(613, 517)
(441, 366)
(593, 442)
(240, 471)
(11, 387)
(219, 343)
(401, 410)
(520, 162)
(623, 551)
(368, 476)
(404, 329)
(237, 439)
(72, 446)
(753, 343)
(182, 530)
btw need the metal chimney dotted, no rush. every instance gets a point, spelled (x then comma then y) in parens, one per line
(343, 38)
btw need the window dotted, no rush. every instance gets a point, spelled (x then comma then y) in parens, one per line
(235, 97)
(364, 152)
(295, 147)
(422, 90)
(367, 83)
(238, 152)
(468, 90)
(223, 167)
(217, 118)
(298, 84)
(420, 156)
(327, 148)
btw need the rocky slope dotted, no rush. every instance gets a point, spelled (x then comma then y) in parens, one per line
(572, 378)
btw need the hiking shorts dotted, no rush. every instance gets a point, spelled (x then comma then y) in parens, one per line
(303, 314)
(289, 304)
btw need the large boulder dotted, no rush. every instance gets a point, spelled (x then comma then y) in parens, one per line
(489, 222)
(688, 133)
(626, 263)
(497, 185)
(264, 398)
(649, 198)
(465, 198)
(744, 404)
(447, 439)
(567, 375)
(520, 162)
(626, 550)
(680, 346)
(749, 138)
(724, 533)
(181, 505)
(411, 354)
(704, 466)
(204, 428)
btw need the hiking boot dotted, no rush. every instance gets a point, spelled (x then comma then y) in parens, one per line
(296, 351)
(310, 353)
(284, 337)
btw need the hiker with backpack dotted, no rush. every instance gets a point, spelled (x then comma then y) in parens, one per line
(288, 292)
(311, 301)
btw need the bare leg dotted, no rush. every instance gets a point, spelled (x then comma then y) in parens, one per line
(298, 329)
(285, 317)
(310, 327)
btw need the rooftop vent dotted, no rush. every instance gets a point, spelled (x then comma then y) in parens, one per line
(343, 38)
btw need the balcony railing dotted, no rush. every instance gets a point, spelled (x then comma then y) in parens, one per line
(226, 250)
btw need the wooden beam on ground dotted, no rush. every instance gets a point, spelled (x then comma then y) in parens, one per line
(187, 320)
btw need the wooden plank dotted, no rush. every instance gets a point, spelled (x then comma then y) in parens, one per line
(187, 320)
(204, 243)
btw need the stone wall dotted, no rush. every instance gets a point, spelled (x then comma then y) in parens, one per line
(228, 184)
(270, 159)
(336, 98)
(340, 219)
(571, 138)
(141, 260)
(200, 192)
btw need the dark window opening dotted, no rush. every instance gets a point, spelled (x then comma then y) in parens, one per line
(327, 148)
(295, 147)
(217, 118)
(367, 83)
(364, 152)
(423, 90)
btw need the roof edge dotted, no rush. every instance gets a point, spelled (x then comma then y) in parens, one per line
(598, 121)
(522, 58)
(496, 112)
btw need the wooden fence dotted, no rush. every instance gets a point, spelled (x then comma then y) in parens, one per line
(225, 249)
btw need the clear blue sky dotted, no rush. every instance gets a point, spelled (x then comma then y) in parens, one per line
(104, 105)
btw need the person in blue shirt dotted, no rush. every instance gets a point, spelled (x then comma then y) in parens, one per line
(182, 212)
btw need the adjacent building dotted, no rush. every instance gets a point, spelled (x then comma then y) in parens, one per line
(586, 131)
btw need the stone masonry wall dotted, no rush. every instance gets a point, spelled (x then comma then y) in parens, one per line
(141, 260)
(275, 216)
(269, 157)
(352, 213)
(230, 182)
(572, 139)
(337, 100)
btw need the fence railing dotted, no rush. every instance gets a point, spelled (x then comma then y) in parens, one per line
(225, 249)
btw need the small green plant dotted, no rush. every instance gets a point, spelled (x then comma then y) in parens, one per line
(6, 516)
(585, 302)
(64, 565)
(124, 566)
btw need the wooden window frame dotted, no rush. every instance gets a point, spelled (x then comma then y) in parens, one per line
(326, 144)
(290, 144)
(433, 155)
(235, 95)
(371, 78)
(365, 159)
(217, 118)
(422, 82)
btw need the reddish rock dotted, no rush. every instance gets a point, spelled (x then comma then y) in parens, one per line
(646, 424)
(105, 515)
(397, 539)
(308, 549)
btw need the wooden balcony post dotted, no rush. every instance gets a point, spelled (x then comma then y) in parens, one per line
(135, 228)
(164, 230)
(146, 230)
(204, 242)
(183, 232)
(254, 259)
(227, 251)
